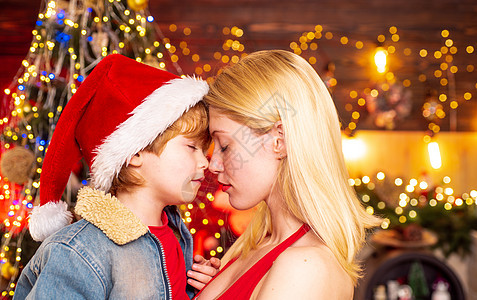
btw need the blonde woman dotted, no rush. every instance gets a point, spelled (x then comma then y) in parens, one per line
(278, 146)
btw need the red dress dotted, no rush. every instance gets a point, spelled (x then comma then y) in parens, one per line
(244, 286)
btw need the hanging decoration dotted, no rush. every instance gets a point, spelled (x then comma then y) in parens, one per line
(388, 103)
(17, 164)
(138, 5)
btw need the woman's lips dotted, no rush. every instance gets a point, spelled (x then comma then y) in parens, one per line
(225, 187)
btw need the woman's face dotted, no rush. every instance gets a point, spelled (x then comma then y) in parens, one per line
(245, 163)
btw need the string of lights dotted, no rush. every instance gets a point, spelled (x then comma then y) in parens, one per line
(71, 37)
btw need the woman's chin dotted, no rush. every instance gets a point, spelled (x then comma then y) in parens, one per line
(239, 205)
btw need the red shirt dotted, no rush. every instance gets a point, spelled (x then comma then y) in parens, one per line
(175, 263)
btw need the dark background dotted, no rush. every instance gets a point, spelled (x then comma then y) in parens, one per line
(275, 24)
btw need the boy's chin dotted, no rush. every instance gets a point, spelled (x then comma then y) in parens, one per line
(188, 196)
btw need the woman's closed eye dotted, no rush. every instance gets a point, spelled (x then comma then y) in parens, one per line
(194, 147)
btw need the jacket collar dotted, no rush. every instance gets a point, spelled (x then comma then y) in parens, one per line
(108, 214)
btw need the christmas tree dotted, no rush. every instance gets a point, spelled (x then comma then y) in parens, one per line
(69, 39)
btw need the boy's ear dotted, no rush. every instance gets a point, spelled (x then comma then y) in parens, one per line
(136, 160)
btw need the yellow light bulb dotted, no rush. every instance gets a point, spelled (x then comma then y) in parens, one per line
(434, 155)
(380, 58)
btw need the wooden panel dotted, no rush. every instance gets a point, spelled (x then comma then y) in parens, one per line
(271, 24)
(274, 24)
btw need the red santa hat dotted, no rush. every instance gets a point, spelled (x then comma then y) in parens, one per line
(120, 108)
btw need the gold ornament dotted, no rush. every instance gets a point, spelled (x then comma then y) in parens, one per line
(137, 5)
(8, 271)
(100, 41)
(17, 164)
(151, 61)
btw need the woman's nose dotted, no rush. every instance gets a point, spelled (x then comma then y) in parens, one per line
(216, 165)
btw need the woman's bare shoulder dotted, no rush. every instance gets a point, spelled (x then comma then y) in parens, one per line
(307, 272)
(318, 261)
(307, 255)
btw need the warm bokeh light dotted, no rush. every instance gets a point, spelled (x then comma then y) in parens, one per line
(353, 148)
(380, 58)
(434, 155)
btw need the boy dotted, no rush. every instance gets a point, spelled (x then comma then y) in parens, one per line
(142, 131)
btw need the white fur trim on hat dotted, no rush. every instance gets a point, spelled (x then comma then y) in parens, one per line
(49, 218)
(149, 119)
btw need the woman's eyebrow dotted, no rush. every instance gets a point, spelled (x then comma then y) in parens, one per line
(217, 131)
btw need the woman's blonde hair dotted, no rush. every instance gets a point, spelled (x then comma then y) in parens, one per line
(265, 87)
(193, 124)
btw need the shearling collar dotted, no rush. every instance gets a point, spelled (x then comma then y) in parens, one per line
(108, 214)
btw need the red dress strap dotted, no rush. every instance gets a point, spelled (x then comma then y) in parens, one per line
(245, 285)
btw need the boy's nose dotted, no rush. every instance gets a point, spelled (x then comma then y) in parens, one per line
(204, 162)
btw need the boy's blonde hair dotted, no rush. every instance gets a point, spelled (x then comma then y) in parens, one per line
(193, 124)
(268, 86)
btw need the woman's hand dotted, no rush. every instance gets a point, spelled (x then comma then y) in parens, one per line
(203, 271)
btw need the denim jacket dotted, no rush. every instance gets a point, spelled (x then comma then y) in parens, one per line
(108, 254)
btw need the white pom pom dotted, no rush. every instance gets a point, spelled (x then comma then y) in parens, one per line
(49, 218)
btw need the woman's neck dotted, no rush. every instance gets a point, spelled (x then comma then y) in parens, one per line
(284, 224)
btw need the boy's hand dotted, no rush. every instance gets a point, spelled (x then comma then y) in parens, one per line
(202, 271)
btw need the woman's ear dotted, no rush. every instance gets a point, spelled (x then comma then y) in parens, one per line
(279, 143)
(136, 160)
